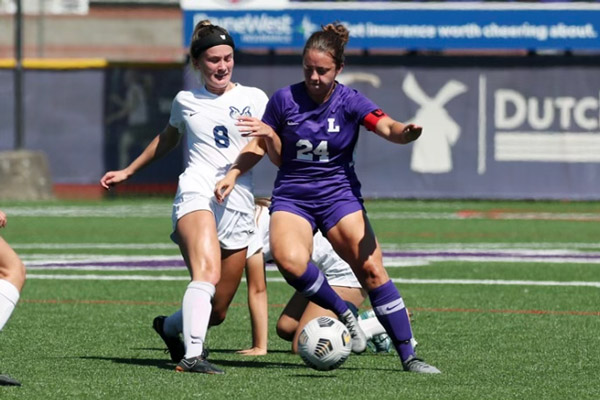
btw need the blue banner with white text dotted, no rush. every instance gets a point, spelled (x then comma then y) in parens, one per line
(536, 27)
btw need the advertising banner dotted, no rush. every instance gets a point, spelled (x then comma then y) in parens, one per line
(489, 132)
(413, 26)
(504, 133)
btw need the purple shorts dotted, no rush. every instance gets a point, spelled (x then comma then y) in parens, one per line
(320, 215)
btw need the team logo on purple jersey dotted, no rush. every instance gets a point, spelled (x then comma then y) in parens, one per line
(332, 126)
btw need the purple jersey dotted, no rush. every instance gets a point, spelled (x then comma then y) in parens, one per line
(318, 143)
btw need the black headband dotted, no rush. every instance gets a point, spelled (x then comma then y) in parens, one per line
(215, 38)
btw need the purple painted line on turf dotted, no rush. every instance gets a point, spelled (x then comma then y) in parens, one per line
(176, 264)
(457, 254)
(129, 264)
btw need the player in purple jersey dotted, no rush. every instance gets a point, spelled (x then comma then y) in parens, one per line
(318, 121)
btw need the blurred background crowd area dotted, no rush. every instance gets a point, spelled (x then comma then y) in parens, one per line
(124, 30)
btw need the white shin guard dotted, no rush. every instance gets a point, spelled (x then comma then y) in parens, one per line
(371, 327)
(9, 297)
(196, 310)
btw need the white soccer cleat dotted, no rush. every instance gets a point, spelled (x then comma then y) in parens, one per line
(359, 339)
(414, 364)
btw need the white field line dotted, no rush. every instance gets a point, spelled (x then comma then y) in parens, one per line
(421, 258)
(533, 252)
(113, 268)
(91, 277)
(67, 258)
(483, 215)
(36, 266)
(494, 282)
(389, 263)
(557, 246)
(426, 260)
(105, 210)
(533, 246)
(487, 282)
(164, 211)
(102, 246)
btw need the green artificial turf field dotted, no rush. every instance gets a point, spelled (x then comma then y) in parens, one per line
(505, 299)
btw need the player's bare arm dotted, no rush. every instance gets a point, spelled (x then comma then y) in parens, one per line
(268, 139)
(160, 145)
(250, 155)
(397, 132)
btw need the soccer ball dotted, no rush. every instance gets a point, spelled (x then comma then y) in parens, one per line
(324, 343)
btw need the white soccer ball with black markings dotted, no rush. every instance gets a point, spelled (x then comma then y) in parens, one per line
(324, 343)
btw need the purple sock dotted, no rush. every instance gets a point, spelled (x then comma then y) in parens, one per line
(313, 285)
(390, 311)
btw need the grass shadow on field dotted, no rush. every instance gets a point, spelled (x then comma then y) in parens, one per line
(319, 373)
(145, 362)
(252, 363)
(316, 375)
(215, 351)
(233, 351)
(169, 365)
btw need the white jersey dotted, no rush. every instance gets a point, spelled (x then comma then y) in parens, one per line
(214, 141)
(336, 270)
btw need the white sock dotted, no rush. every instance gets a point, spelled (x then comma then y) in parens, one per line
(371, 327)
(173, 325)
(196, 310)
(9, 296)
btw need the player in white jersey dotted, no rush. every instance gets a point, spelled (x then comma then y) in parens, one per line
(12, 279)
(213, 237)
(299, 310)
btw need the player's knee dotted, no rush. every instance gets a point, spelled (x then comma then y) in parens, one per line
(290, 263)
(217, 317)
(14, 272)
(374, 274)
(284, 331)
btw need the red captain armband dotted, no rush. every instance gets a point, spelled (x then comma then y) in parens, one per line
(372, 118)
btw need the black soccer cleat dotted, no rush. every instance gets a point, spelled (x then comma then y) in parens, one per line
(198, 364)
(175, 346)
(6, 380)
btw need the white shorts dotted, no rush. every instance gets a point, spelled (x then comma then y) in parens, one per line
(260, 241)
(235, 229)
(254, 246)
(336, 270)
(341, 276)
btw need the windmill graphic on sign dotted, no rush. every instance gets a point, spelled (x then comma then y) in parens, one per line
(432, 152)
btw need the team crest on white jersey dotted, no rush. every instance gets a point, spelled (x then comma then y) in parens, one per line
(234, 113)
